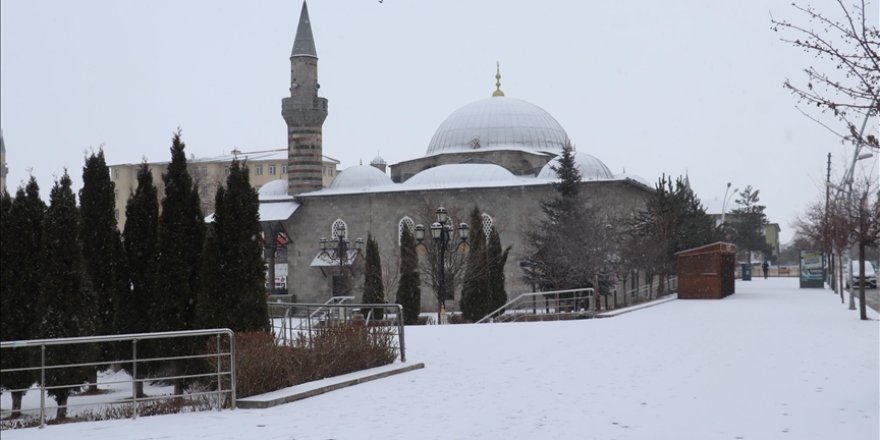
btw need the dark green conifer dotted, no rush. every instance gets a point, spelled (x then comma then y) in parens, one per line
(181, 238)
(474, 292)
(141, 236)
(234, 273)
(496, 259)
(19, 299)
(409, 293)
(98, 235)
(374, 291)
(68, 302)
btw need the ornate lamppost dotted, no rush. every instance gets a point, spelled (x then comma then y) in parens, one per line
(441, 231)
(337, 250)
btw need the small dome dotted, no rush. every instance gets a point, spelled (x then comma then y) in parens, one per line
(273, 189)
(590, 167)
(467, 174)
(360, 176)
(499, 123)
(378, 161)
(633, 177)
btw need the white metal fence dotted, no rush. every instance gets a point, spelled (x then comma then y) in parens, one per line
(216, 347)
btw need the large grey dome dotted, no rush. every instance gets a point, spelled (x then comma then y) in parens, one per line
(499, 123)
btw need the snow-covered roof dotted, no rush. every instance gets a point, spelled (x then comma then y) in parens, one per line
(591, 168)
(277, 210)
(271, 210)
(498, 123)
(360, 176)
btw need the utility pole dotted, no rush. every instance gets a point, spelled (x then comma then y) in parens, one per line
(829, 253)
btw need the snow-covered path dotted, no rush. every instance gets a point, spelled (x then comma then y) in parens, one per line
(770, 362)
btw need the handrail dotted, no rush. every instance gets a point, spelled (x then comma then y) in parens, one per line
(342, 313)
(134, 360)
(671, 285)
(548, 294)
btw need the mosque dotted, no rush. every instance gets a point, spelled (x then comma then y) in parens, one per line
(495, 153)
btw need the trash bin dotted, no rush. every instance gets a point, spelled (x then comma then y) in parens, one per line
(746, 272)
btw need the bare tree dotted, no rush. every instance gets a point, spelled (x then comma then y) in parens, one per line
(845, 75)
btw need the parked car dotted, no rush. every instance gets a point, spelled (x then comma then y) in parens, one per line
(870, 275)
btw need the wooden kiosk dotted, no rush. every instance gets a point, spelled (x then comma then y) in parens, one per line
(706, 272)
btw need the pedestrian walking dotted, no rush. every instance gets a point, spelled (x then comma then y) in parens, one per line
(766, 268)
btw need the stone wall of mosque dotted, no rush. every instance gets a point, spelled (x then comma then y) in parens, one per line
(517, 162)
(512, 211)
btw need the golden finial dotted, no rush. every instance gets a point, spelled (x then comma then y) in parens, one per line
(497, 91)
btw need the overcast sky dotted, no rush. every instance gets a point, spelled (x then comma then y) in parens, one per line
(651, 87)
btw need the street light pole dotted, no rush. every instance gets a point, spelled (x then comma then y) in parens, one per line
(441, 231)
(340, 253)
(725, 201)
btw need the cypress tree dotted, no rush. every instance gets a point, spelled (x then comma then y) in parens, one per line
(140, 235)
(497, 258)
(233, 290)
(213, 297)
(242, 251)
(67, 299)
(181, 237)
(98, 236)
(19, 309)
(474, 292)
(374, 291)
(409, 293)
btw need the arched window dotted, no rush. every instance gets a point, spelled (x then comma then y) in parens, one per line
(486, 224)
(408, 223)
(338, 228)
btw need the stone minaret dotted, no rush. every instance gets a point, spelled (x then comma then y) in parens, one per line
(304, 112)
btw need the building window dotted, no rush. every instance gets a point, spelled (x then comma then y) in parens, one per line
(226, 170)
(116, 195)
(408, 223)
(116, 214)
(486, 224)
(338, 228)
(115, 173)
(203, 171)
(258, 169)
(283, 169)
(271, 169)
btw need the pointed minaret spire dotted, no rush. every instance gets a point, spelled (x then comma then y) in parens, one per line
(497, 91)
(304, 43)
(304, 112)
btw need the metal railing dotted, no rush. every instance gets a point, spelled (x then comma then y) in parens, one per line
(285, 330)
(223, 356)
(545, 306)
(645, 292)
(299, 323)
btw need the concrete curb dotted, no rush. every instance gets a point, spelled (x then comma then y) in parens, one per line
(645, 305)
(306, 390)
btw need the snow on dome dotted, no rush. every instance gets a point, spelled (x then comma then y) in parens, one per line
(360, 176)
(273, 189)
(499, 123)
(464, 175)
(633, 177)
(590, 167)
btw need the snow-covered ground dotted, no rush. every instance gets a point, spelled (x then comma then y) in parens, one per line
(770, 362)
